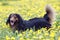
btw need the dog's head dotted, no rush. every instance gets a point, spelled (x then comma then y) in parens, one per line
(14, 19)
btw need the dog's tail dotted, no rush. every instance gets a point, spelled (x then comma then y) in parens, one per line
(50, 14)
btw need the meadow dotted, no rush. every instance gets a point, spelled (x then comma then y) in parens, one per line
(28, 9)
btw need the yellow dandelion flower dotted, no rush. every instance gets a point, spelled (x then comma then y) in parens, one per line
(31, 31)
(58, 27)
(12, 38)
(42, 14)
(52, 34)
(58, 38)
(29, 14)
(26, 18)
(7, 37)
(20, 35)
(38, 32)
(39, 15)
(27, 39)
(21, 38)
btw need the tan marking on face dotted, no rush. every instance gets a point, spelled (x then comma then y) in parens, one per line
(12, 18)
(16, 18)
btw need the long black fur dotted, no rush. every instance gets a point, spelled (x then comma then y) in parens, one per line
(38, 23)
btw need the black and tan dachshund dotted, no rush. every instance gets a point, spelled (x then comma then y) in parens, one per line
(17, 23)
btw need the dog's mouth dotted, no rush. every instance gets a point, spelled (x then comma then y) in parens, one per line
(12, 23)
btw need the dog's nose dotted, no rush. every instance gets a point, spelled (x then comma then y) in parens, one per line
(11, 21)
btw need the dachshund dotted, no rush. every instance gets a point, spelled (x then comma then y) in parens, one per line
(17, 23)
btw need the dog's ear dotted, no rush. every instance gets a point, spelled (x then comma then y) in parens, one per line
(8, 20)
(19, 18)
